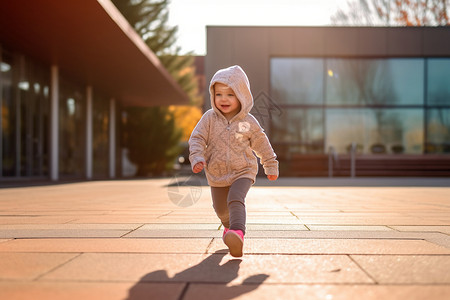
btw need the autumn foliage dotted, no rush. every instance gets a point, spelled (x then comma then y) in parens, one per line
(152, 135)
(394, 12)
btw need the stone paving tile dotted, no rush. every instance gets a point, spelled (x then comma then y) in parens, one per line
(132, 267)
(140, 212)
(256, 213)
(440, 239)
(275, 221)
(300, 269)
(428, 213)
(12, 220)
(28, 266)
(211, 268)
(53, 212)
(335, 246)
(286, 231)
(320, 292)
(443, 229)
(113, 219)
(113, 226)
(406, 269)
(276, 234)
(173, 233)
(101, 205)
(252, 231)
(367, 221)
(178, 226)
(63, 233)
(348, 228)
(198, 211)
(434, 237)
(89, 290)
(340, 215)
(107, 245)
(211, 220)
(276, 227)
(188, 218)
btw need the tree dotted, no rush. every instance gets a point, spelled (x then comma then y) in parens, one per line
(186, 118)
(153, 146)
(149, 19)
(394, 12)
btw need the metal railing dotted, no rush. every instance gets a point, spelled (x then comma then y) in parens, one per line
(333, 159)
(353, 160)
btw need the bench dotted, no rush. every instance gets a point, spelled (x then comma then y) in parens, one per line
(316, 165)
(394, 165)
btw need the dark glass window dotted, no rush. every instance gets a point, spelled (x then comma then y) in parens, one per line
(438, 81)
(301, 129)
(297, 80)
(8, 125)
(72, 120)
(386, 106)
(24, 115)
(375, 131)
(101, 136)
(438, 130)
(374, 81)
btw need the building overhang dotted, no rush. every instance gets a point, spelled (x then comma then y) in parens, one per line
(91, 42)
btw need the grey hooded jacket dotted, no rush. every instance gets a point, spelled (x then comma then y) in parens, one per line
(227, 147)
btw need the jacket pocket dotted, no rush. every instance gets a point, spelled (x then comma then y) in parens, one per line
(240, 162)
(247, 160)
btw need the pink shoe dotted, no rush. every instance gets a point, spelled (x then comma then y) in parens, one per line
(225, 230)
(234, 239)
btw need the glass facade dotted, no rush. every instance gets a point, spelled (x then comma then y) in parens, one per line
(374, 82)
(25, 122)
(379, 131)
(297, 81)
(385, 106)
(438, 79)
(101, 137)
(438, 130)
(24, 86)
(8, 116)
(305, 125)
(72, 129)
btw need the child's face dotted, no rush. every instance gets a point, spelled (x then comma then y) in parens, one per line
(226, 101)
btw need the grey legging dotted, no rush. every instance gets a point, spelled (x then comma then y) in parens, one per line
(229, 203)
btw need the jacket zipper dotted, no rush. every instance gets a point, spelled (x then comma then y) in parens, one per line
(228, 148)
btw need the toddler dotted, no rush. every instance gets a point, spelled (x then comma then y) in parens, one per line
(223, 143)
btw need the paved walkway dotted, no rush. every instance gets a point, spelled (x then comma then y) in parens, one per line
(307, 239)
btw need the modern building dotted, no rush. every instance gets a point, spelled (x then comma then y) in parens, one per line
(68, 68)
(327, 94)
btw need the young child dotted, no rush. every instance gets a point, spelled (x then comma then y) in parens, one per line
(223, 143)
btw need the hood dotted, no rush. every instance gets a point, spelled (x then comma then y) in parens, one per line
(237, 80)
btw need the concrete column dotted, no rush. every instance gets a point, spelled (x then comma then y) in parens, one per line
(89, 132)
(54, 123)
(112, 138)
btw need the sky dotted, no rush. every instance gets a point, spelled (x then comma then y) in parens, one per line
(192, 16)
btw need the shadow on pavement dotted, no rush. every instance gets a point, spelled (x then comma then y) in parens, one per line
(207, 271)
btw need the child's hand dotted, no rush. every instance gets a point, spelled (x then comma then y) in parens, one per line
(272, 177)
(199, 167)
